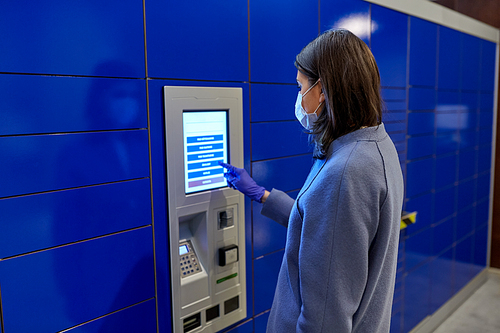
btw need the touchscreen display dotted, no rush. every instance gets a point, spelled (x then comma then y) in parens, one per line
(205, 144)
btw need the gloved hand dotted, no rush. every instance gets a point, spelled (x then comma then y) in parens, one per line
(240, 180)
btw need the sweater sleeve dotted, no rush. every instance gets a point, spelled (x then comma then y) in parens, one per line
(278, 207)
(337, 229)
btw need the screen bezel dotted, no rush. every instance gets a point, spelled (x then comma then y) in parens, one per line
(183, 149)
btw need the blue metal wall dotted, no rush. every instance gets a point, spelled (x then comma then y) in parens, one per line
(82, 181)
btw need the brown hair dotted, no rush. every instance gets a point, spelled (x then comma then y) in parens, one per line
(350, 82)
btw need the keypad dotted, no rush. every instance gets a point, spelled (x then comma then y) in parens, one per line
(189, 262)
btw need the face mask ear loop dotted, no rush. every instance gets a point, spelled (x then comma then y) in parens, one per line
(315, 83)
(317, 108)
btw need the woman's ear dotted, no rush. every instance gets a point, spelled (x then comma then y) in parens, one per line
(321, 97)
(321, 94)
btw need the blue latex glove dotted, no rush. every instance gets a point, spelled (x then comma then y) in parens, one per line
(240, 180)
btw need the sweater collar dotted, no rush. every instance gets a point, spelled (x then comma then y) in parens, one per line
(373, 133)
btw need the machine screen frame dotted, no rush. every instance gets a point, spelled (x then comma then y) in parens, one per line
(225, 152)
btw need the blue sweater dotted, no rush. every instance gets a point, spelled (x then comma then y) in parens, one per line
(338, 270)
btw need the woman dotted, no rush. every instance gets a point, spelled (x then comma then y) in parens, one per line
(338, 270)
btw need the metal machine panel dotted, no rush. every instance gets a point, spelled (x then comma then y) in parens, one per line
(203, 127)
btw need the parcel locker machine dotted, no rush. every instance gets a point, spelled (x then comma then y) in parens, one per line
(204, 126)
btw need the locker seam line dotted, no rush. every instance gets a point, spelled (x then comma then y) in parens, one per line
(150, 166)
(73, 76)
(105, 315)
(73, 132)
(72, 188)
(73, 243)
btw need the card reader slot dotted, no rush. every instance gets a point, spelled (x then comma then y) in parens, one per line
(192, 322)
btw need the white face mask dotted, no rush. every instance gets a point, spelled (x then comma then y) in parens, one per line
(307, 120)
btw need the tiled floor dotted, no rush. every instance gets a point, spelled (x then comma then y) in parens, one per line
(480, 313)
